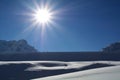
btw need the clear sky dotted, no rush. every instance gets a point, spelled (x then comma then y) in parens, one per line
(79, 25)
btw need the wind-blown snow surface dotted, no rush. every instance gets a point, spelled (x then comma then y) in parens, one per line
(27, 70)
(107, 73)
(57, 65)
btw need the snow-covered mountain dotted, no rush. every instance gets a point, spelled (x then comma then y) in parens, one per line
(20, 46)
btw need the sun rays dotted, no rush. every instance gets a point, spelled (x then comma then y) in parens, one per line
(41, 19)
(42, 16)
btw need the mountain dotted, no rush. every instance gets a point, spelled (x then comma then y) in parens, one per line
(115, 47)
(20, 46)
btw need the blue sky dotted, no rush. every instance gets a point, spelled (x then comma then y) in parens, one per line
(82, 25)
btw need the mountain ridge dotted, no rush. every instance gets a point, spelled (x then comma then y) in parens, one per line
(14, 46)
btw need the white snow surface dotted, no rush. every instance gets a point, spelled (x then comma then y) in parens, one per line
(38, 65)
(107, 73)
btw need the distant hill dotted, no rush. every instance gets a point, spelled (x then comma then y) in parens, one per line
(115, 47)
(14, 46)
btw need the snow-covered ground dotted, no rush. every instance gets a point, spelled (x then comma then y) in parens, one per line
(35, 68)
(57, 65)
(107, 73)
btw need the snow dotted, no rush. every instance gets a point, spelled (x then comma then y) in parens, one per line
(57, 65)
(68, 65)
(107, 73)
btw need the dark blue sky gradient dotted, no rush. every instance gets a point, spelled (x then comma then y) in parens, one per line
(84, 25)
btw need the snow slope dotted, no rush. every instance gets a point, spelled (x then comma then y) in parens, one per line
(107, 73)
(27, 70)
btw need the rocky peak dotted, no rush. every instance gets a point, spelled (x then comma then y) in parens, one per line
(14, 46)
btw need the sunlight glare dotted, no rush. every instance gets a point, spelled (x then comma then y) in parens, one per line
(42, 16)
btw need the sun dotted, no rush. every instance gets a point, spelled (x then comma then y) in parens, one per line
(42, 16)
